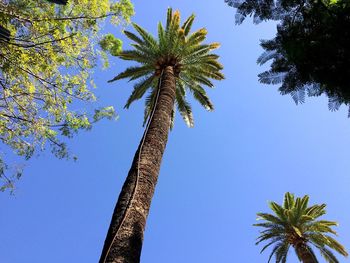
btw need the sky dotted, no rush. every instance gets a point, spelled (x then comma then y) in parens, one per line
(214, 178)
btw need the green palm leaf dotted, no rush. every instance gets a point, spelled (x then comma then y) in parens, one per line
(133, 73)
(328, 255)
(134, 37)
(140, 89)
(282, 252)
(148, 39)
(184, 108)
(149, 104)
(188, 24)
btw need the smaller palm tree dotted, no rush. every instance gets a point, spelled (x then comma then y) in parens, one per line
(296, 224)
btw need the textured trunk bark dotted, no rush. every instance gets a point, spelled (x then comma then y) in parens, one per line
(125, 234)
(304, 253)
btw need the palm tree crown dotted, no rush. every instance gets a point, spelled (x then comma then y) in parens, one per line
(295, 224)
(192, 62)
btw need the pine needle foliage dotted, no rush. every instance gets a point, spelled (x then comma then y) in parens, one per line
(296, 223)
(193, 63)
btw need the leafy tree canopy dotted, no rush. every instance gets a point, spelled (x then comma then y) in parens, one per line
(310, 54)
(47, 53)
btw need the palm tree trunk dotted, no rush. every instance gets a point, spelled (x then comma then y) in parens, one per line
(125, 234)
(305, 254)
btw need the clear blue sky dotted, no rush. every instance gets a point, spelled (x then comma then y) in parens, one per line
(253, 148)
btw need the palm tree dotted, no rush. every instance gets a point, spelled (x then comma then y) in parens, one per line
(170, 66)
(297, 225)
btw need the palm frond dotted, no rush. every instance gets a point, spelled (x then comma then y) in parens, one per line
(147, 37)
(188, 24)
(328, 255)
(197, 37)
(199, 94)
(334, 244)
(169, 18)
(300, 207)
(207, 71)
(149, 104)
(185, 109)
(282, 252)
(278, 210)
(274, 240)
(269, 217)
(161, 37)
(276, 247)
(268, 235)
(152, 52)
(316, 210)
(288, 201)
(174, 24)
(135, 55)
(319, 227)
(133, 37)
(133, 73)
(200, 79)
(139, 90)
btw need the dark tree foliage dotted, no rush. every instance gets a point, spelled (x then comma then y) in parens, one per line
(4, 34)
(59, 2)
(310, 53)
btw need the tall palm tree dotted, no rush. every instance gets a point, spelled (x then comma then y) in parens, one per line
(296, 224)
(169, 67)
